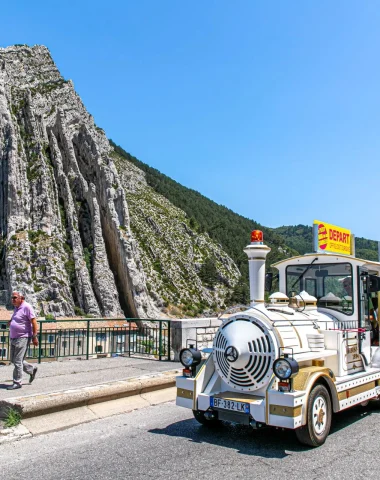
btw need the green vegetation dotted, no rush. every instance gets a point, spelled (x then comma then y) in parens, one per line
(17, 108)
(69, 263)
(13, 418)
(32, 173)
(230, 230)
(47, 87)
(300, 238)
(70, 266)
(149, 345)
(78, 312)
(367, 249)
(208, 273)
(239, 295)
(34, 235)
(158, 267)
(63, 214)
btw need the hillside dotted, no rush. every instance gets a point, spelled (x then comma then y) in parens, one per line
(225, 227)
(300, 238)
(186, 272)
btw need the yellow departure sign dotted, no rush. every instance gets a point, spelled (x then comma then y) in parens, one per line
(333, 239)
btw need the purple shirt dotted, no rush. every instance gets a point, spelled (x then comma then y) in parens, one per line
(21, 325)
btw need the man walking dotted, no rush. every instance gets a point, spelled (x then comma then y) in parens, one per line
(23, 329)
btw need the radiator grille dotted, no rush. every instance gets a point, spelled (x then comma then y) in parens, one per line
(256, 352)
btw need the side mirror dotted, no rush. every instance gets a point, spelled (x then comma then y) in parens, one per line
(374, 283)
(268, 281)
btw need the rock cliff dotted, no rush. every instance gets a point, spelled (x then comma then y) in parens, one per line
(80, 229)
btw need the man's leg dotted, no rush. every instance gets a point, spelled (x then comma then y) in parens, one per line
(12, 355)
(28, 367)
(18, 352)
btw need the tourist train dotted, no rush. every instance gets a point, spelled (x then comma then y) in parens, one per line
(292, 360)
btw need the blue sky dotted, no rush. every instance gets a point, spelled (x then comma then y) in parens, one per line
(270, 108)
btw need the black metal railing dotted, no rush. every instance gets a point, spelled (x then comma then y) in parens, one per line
(139, 337)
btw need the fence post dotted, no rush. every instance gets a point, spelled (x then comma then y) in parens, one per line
(88, 339)
(129, 343)
(169, 335)
(40, 342)
(160, 342)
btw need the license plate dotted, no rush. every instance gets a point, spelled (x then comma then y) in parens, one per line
(229, 405)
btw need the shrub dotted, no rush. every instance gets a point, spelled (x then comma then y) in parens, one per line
(79, 312)
(13, 418)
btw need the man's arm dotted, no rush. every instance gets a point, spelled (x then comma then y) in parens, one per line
(35, 329)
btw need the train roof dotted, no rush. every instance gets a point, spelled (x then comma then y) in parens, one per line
(329, 258)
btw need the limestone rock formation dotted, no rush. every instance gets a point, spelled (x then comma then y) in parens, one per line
(77, 235)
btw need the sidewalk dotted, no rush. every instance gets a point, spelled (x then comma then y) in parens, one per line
(71, 384)
(72, 374)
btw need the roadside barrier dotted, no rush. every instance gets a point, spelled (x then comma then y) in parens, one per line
(96, 337)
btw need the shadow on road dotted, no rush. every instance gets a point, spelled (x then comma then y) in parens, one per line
(352, 415)
(265, 442)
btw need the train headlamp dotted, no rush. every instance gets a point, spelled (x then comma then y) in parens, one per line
(285, 368)
(190, 357)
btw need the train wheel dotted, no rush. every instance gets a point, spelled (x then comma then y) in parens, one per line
(319, 413)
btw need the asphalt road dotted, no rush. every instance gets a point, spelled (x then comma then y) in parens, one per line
(165, 442)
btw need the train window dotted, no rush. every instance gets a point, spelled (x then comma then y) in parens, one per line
(330, 283)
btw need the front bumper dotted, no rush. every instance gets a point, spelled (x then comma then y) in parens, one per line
(278, 409)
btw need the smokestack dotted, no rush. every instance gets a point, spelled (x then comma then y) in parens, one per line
(257, 253)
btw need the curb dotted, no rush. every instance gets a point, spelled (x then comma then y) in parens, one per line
(41, 404)
(13, 434)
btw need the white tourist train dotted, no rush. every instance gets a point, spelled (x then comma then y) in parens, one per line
(292, 361)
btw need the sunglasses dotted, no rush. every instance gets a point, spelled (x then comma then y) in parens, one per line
(14, 298)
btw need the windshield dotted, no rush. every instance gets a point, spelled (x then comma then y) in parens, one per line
(330, 283)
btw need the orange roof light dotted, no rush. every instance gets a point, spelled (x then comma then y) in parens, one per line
(257, 236)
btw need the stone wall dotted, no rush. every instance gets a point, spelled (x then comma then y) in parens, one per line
(205, 337)
(198, 332)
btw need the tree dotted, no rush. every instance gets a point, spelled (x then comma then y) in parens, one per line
(239, 295)
(208, 273)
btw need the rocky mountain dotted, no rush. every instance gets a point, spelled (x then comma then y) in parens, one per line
(64, 219)
(81, 231)
(88, 229)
